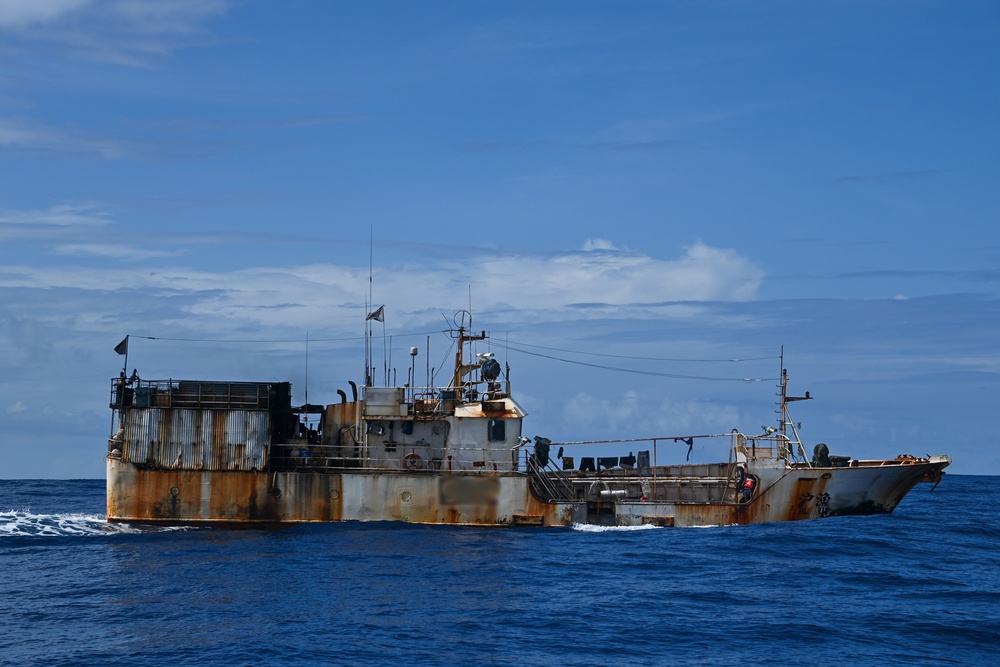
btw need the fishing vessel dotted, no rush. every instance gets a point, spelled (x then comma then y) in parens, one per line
(240, 454)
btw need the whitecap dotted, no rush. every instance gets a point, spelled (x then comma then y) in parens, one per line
(591, 528)
(15, 523)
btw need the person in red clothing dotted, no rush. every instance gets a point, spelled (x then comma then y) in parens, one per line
(749, 486)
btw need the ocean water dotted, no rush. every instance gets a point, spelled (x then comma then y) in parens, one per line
(920, 586)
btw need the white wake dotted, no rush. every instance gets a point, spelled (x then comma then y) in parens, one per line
(591, 528)
(14, 523)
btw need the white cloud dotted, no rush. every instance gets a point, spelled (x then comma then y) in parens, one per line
(23, 134)
(598, 244)
(16, 408)
(166, 16)
(123, 32)
(21, 13)
(61, 215)
(552, 288)
(619, 279)
(112, 251)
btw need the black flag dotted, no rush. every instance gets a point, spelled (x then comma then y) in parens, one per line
(122, 347)
(378, 314)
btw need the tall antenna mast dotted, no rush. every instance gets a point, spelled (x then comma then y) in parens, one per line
(369, 367)
(371, 263)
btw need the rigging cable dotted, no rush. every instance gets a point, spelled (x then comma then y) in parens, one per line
(258, 340)
(675, 376)
(622, 356)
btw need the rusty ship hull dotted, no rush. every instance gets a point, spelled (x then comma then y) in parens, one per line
(262, 499)
(244, 498)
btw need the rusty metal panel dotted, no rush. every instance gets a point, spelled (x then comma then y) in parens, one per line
(385, 401)
(236, 436)
(338, 419)
(258, 438)
(238, 439)
(217, 439)
(182, 442)
(192, 439)
(246, 440)
(204, 440)
(142, 428)
(160, 438)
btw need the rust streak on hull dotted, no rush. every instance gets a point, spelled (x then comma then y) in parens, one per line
(231, 498)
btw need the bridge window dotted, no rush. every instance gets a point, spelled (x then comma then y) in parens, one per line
(496, 430)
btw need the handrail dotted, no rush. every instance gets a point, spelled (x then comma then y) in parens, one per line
(554, 481)
(198, 394)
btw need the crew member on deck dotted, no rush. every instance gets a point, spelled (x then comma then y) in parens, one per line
(749, 486)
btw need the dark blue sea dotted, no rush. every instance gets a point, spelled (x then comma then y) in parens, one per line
(921, 586)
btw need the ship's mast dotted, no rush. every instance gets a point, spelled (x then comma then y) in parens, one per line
(786, 416)
(462, 369)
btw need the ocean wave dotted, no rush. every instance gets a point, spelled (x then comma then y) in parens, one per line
(590, 528)
(20, 523)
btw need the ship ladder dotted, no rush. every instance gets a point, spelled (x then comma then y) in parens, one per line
(549, 483)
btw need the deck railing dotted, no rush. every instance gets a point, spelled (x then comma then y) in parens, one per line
(199, 394)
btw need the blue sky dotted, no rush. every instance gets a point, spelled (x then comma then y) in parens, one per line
(655, 181)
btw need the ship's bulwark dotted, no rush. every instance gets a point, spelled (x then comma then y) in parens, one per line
(244, 498)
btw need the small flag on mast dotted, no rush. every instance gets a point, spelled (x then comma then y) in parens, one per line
(378, 314)
(122, 347)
